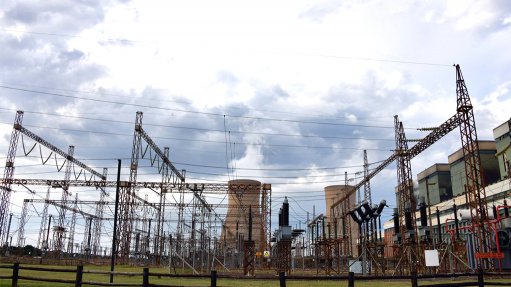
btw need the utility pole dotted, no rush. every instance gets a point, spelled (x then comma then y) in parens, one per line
(114, 243)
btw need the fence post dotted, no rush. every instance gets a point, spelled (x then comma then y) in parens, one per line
(145, 275)
(351, 279)
(213, 278)
(282, 279)
(79, 276)
(414, 279)
(480, 278)
(15, 272)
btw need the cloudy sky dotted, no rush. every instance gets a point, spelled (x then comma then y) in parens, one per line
(284, 92)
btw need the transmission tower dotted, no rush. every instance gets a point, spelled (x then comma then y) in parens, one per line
(5, 187)
(128, 197)
(474, 175)
(407, 204)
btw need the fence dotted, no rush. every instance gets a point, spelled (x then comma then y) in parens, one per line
(144, 278)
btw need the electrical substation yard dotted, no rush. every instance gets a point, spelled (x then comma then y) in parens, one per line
(461, 227)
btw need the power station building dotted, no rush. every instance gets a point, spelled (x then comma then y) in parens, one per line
(502, 137)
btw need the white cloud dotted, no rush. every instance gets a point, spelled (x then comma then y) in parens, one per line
(345, 62)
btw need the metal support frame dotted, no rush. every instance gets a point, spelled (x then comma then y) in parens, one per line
(249, 257)
(60, 229)
(326, 251)
(266, 217)
(23, 221)
(283, 256)
(406, 202)
(100, 206)
(71, 239)
(42, 229)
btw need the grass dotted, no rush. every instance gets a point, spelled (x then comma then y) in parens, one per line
(187, 281)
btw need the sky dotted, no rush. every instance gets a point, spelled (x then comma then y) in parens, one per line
(284, 92)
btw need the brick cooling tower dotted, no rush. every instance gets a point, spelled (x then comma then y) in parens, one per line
(243, 194)
(333, 194)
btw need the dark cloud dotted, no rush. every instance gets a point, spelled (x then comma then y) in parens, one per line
(60, 17)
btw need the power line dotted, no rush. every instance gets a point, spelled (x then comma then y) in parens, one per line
(209, 130)
(210, 141)
(221, 167)
(102, 94)
(193, 112)
(380, 60)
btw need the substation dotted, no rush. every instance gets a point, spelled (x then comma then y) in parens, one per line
(446, 224)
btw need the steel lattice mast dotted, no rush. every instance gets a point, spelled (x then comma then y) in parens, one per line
(71, 239)
(473, 172)
(128, 198)
(5, 187)
(100, 206)
(407, 203)
(60, 229)
(41, 244)
(23, 221)
(266, 217)
(367, 184)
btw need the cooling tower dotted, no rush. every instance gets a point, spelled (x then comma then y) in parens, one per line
(243, 195)
(333, 194)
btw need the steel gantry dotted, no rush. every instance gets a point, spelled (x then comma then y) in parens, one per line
(171, 177)
(172, 181)
(69, 158)
(464, 118)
